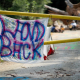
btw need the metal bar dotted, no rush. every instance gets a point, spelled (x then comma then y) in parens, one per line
(61, 41)
(40, 15)
(46, 15)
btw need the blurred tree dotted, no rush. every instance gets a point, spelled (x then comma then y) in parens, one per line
(5, 4)
(34, 6)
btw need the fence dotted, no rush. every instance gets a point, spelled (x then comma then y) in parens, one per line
(49, 16)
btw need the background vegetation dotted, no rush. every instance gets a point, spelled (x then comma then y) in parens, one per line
(34, 6)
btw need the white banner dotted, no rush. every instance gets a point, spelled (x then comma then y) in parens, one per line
(22, 40)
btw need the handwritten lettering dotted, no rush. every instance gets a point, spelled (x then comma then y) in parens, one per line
(24, 37)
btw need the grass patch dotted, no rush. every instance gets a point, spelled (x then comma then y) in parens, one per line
(1, 60)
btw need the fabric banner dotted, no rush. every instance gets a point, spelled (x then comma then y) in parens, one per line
(22, 40)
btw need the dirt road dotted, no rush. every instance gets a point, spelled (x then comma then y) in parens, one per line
(64, 64)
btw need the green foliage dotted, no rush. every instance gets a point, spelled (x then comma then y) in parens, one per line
(1, 60)
(34, 6)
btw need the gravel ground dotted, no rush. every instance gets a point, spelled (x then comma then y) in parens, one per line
(64, 64)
